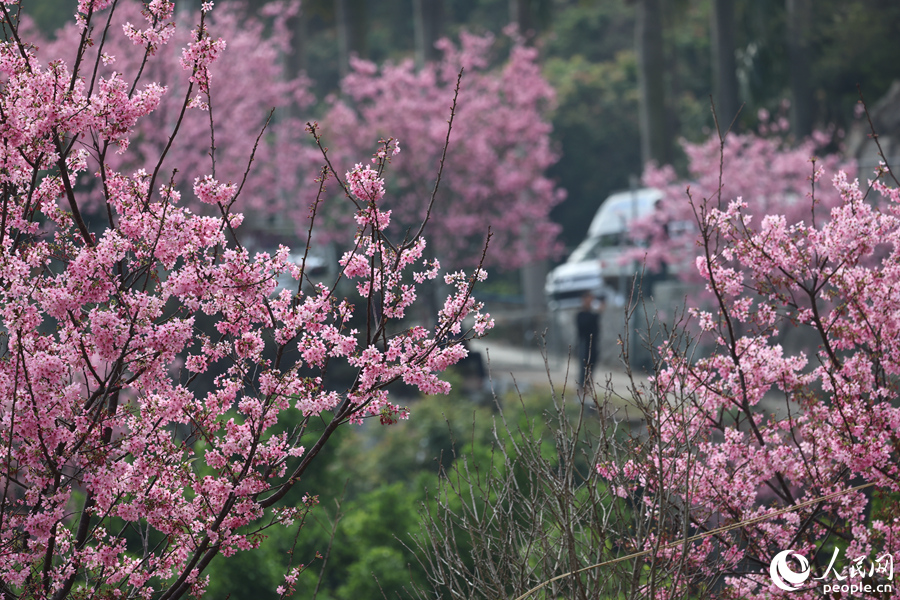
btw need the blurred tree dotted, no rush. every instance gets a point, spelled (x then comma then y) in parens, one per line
(351, 17)
(596, 125)
(722, 43)
(246, 85)
(799, 17)
(297, 59)
(494, 170)
(597, 31)
(655, 138)
(428, 18)
(688, 69)
(520, 13)
(848, 47)
(845, 45)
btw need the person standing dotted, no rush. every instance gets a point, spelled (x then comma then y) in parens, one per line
(587, 324)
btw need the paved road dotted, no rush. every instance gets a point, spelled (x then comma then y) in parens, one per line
(529, 368)
(526, 368)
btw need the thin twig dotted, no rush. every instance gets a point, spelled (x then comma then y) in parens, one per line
(874, 136)
(437, 181)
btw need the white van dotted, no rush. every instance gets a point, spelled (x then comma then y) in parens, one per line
(597, 264)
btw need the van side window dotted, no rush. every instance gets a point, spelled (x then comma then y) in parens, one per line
(610, 240)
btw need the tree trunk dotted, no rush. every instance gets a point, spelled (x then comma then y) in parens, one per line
(351, 19)
(296, 62)
(725, 85)
(428, 23)
(340, 20)
(520, 13)
(652, 113)
(799, 13)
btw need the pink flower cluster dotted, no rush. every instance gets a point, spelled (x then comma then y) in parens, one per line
(148, 357)
(754, 429)
(160, 29)
(416, 355)
(197, 57)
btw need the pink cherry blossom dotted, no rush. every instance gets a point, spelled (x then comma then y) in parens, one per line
(148, 356)
(752, 430)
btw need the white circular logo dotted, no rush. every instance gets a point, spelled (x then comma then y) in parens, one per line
(783, 576)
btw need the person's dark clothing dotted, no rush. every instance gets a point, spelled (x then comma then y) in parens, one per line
(587, 324)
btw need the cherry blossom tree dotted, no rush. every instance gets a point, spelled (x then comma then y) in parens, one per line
(118, 478)
(761, 454)
(494, 175)
(248, 85)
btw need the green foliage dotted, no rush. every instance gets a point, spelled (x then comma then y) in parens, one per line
(373, 488)
(597, 31)
(528, 508)
(761, 55)
(385, 566)
(689, 70)
(480, 16)
(251, 574)
(50, 15)
(850, 47)
(369, 543)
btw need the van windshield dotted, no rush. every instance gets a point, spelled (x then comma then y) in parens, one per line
(592, 248)
(620, 209)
